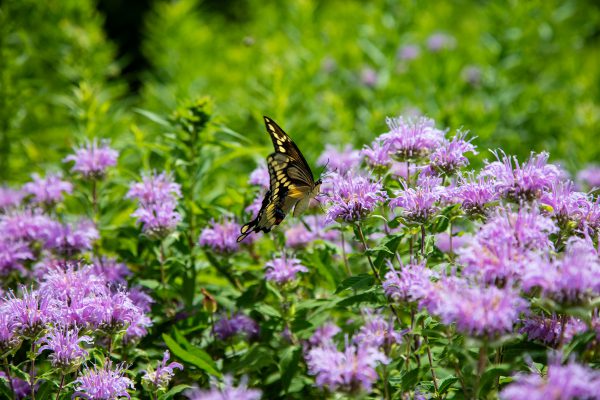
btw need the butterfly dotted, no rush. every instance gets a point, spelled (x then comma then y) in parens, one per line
(291, 183)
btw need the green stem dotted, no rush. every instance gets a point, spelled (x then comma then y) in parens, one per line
(481, 362)
(423, 242)
(344, 255)
(62, 382)
(162, 262)
(32, 370)
(7, 372)
(426, 341)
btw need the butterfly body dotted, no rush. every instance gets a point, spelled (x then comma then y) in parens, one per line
(292, 185)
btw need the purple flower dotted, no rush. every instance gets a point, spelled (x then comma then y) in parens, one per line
(589, 220)
(477, 311)
(9, 339)
(507, 244)
(260, 176)
(163, 374)
(21, 387)
(340, 161)
(377, 156)
(92, 159)
(28, 225)
(301, 235)
(12, 255)
(411, 139)
(410, 284)
(112, 312)
(48, 190)
(323, 335)
(590, 176)
(548, 330)
(377, 332)
(471, 74)
(442, 241)
(474, 194)
(29, 313)
(421, 203)
(141, 299)
(562, 382)
(352, 197)
(524, 182)
(573, 278)
(10, 198)
(157, 197)
(408, 52)
(221, 237)
(110, 269)
(282, 269)
(239, 323)
(563, 203)
(64, 343)
(137, 328)
(440, 41)
(71, 239)
(450, 156)
(103, 383)
(368, 77)
(227, 392)
(351, 370)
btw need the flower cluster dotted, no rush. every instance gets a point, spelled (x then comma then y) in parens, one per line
(238, 323)
(226, 392)
(221, 237)
(163, 374)
(48, 190)
(352, 197)
(283, 269)
(103, 383)
(92, 159)
(157, 196)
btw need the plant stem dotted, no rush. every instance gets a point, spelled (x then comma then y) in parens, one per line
(32, 370)
(450, 237)
(481, 362)
(62, 382)
(375, 272)
(426, 341)
(7, 372)
(409, 342)
(344, 255)
(423, 242)
(95, 199)
(162, 262)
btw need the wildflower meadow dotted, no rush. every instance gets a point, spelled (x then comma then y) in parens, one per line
(452, 250)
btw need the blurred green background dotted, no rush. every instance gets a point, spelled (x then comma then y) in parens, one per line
(519, 75)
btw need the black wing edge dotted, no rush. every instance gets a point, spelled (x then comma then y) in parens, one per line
(252, 225)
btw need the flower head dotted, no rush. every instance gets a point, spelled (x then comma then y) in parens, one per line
(64, 345)
(377, 156)
(29, 312)
(340, 161)
(260, 177)
(474, 194)
(71, 239)
(163, 374)
(408, 52)
(110, 269)
(92, 159)
(237, 324)
(369, 77)
(157, 196)
(283, 269)
(12, 255)
(351, 370)
(48, 190)
(103, 383)
(549, 330)
(227, 392)
(563, 203)
(440, 41)
(410, 284)
(324, 334)
(590, 175)
(10, 198)
(562, 382)
(421, 203)
(411, 139)
(522, 182)
(221, 237)
(300, 235)
(353, 197)
(450, 156)
(377, 332)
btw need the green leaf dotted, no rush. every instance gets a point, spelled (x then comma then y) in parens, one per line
(365, 297)
(174, 390)
(357, 282)
(188, 357)
(153, 117)
(447, 384)
(409, 379)
(290, 360)
(46, 390)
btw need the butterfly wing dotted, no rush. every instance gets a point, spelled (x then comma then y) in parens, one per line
(291, 183)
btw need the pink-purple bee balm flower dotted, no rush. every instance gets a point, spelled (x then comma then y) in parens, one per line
(377, 156)
(440, 41)
(239, 323)
(351, 371)
(411, 139)
(92, 159)
(65, 347)
(163, 374)
(340, 161)
(450, 156)
(221, 237)
(421, 203)
(590, 175)
(29, 312)
(522, 182)
(48, 190)
(71, 239)
(377, 331)
(157, 197)
(562, 382)
(103, 383)
(260, 177)
(283, 269)
(408, 52)
(410, 284)
(10, 198)
(352, 197)
(299, 235)
(13, 253)
(549, 330)
(227, 391)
